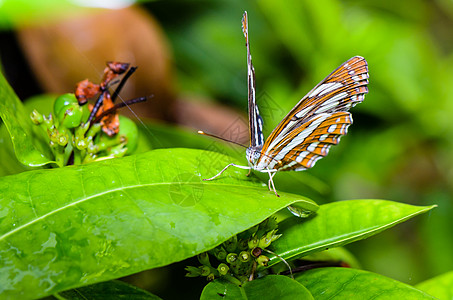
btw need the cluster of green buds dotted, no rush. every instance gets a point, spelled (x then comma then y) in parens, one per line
(240, 256)
(72, 137)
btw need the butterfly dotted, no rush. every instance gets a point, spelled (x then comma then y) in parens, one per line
(307, 132)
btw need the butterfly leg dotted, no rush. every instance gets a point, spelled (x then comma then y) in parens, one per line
(271, 182)
(224, 169)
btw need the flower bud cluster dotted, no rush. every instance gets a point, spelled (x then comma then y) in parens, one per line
(70, 136)
(239, 256)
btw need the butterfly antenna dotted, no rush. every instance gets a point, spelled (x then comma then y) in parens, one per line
(220, 138)
(229, 141)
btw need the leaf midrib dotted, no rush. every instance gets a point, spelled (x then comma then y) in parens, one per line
(111, 191)
(296, 251)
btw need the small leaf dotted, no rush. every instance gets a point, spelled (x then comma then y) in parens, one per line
(113, 289)
(116, 217)
(345, 283)
(440, 286)
(339, 223)
(268, 287)
(29, 144)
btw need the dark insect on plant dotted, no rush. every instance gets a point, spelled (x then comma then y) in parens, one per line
(80, 132)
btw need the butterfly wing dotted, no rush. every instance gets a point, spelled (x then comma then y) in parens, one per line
(317, 121)
(255, 120)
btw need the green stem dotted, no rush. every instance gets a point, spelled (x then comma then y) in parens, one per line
(59, 156)
(77, 156)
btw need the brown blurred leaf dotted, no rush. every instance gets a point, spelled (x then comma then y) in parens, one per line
(64, 53)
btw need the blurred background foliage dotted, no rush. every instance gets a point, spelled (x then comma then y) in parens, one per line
(191, 56)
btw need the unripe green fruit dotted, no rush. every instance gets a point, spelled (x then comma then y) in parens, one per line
(70, 116)
(62, 101)
(129, 129)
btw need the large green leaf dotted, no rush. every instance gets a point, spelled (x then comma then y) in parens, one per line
(440, 286)
(73, 226)
(9, 164)
(268, 287)
(337, 254)
(19, 12)
(339, 223)
(29, 145)
(345, 283)
(113, 289)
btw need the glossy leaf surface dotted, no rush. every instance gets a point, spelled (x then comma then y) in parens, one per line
(345, 283)
(116, 217)
(337, 254)
(113, 289)
(440, 286)
(268, 287)
(29, 145)
(339, 223)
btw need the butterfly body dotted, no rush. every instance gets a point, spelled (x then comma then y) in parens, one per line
(307, 132)
(253, 154)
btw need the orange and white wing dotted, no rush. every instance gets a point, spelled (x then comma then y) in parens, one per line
(255, 120)
(317, 121)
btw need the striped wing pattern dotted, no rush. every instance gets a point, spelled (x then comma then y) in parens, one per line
(317, 121)
(255, 120)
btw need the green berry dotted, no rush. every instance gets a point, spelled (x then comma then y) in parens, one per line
(70, 116)
(244, 256)
(266, 240)
(262, 260)
(62, 102)
(127, 136)
(129, 129)
(62, 137)
(232, 258)
(253, 242)
(223, 269)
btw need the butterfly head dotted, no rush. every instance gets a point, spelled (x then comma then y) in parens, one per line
(253, 154)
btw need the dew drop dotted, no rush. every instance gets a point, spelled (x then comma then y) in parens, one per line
(298, 212)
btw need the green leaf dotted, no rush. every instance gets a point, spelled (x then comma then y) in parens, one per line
(113, 289)
(440, 286)
(337, 254)
(268, 287)
(116, 217)
(29, 145)
(345, 283)
(19, 12)
(340, 223)
(9, 163)
(42, 103)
